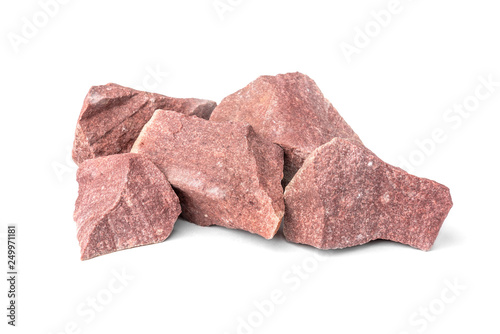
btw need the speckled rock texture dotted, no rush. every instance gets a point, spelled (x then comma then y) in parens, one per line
(288, 110)
(112, 117)
(223, 172)
(344, 195)
(124, 201)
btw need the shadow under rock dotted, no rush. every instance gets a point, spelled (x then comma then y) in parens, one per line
(181, 228)
(185, 228)
(446, 239)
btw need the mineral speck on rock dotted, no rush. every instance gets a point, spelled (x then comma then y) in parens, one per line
(124, 201)
(224, 173)
(344, 195)
(112, 117)
(288, 110)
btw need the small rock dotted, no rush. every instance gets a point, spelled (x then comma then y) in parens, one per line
(113, 116)
(288, 110)
(224, 173)
(124, 201)
(344, 195)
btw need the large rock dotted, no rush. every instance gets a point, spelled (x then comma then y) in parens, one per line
(289, 110)
(344, 196)
(224, 173)
(113, 116)
(124, 201)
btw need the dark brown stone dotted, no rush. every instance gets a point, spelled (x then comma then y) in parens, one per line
(288, 110)
(224, 173)
(124, 201)
(344, 195)
(113, 116)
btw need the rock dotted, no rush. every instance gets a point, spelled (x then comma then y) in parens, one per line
(344, 195)
(224, 173)
(124, 201)
(113, 116)
(288, 110)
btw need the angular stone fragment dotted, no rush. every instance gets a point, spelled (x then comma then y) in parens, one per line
(224, 173)
(344, 195)
(124, 201)
(112, 117)
(288, 110)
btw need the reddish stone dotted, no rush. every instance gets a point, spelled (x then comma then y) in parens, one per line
(124, 201)
(288, 110)
(344, 195)
(224, 173)
(113, 116)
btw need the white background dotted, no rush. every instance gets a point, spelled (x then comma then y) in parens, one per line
(395, 91)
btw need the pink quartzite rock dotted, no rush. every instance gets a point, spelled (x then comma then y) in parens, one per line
(288, 110)
(344, 195)
(124, 201)
(113, 116)
(224, 173)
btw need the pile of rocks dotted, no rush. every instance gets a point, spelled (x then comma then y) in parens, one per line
(276, 150)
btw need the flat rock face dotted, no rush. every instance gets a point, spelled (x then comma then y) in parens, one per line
(288, 110)
(124, 201)
(112, 117)
(344, 196)
(223, 172)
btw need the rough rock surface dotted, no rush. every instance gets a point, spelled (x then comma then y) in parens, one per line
(288, 110)
(112, 117)
(223, 172)
(344, 196)
(124, 201)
